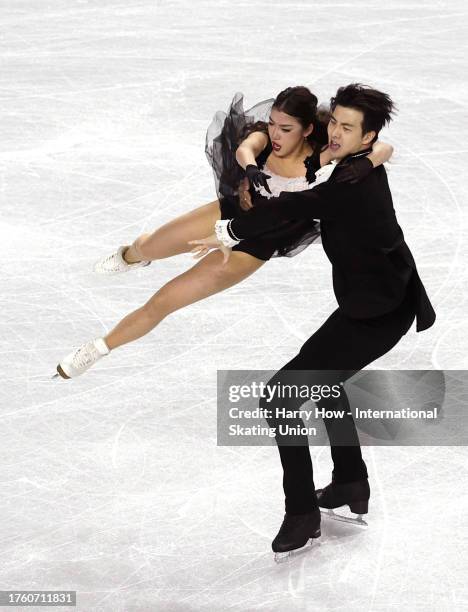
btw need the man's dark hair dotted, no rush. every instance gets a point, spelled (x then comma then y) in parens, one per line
(376, 106)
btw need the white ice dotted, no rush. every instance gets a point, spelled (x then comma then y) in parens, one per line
(112, 484)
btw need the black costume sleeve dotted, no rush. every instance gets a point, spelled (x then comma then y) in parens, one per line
(326, 201)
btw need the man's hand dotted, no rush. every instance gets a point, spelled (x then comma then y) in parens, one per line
(245, 199)
(208, 243)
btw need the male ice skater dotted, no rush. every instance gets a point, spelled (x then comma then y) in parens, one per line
(377, 287)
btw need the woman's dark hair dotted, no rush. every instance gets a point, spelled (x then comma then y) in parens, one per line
(376, 106)
(300, 103)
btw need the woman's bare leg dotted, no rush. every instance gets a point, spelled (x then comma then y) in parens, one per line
(172, 238)
(207, 277)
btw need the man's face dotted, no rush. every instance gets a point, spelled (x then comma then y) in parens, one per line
(345, 132)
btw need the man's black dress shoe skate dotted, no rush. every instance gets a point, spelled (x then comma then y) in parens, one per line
(295, 532)
(353, 494)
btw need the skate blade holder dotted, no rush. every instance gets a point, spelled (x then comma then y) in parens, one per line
(354, 520)
(60, 374)
(281, 557)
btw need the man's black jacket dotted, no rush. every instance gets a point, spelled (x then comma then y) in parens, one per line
(373, 267)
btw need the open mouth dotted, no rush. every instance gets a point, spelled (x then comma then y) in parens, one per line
(275, 146)
(334, 146)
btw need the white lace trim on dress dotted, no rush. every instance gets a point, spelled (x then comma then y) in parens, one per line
(278, 183)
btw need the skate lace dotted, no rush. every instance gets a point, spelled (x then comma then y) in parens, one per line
(110, 259)
(84, 355)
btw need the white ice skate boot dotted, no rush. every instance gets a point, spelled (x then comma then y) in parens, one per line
(116, 264)
(77, 362)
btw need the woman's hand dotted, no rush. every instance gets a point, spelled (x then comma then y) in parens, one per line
(381, 153)
(355, 170)
(257, 177)
(245, 199)
(208, 243)
(352, 171)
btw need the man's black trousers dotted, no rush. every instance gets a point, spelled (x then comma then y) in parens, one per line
(342, 346)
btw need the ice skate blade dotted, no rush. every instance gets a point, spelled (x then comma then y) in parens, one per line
(281, 557)
(344, 519)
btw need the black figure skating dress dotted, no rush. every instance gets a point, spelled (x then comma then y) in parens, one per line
(224, 135)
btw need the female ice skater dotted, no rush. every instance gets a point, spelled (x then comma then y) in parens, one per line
(282, 148)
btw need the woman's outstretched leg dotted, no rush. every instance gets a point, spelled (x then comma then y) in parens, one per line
(168, 240)
(205, 278)
(172, 237)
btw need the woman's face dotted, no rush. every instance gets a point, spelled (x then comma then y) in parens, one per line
(286, 133)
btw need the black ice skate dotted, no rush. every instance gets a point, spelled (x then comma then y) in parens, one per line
(353, 494)
(296, 532)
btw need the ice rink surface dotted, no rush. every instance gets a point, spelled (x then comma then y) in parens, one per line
(112, 484)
